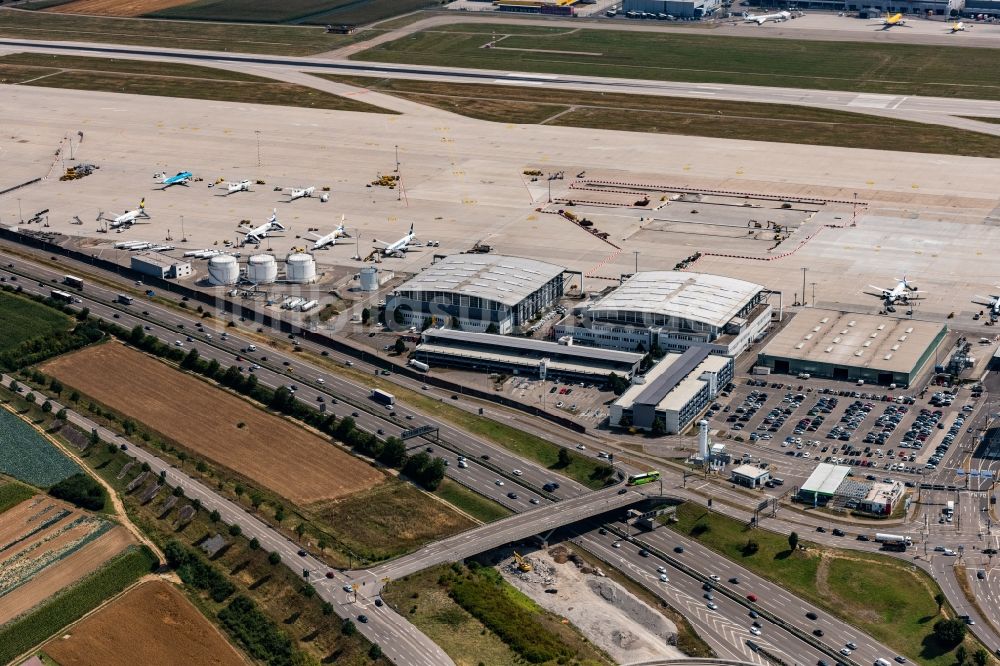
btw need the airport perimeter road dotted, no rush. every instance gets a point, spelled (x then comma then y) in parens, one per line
(399, 639)
(926, 109)
(286, 369)
(515, 528)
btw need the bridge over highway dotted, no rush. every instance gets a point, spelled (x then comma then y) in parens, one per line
(516, 527)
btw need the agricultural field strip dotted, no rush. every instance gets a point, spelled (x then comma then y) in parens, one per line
(38, 556)
(29, 457)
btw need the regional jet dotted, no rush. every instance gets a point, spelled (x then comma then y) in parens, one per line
(400, 247)
(233, 188)
(126, 219)
(182, 178)
(761, 19)
(331, 238)
(298, 193)
(903, 292)
(256, 234)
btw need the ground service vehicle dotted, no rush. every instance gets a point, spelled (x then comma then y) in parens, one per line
(640, 479)
(382, 397)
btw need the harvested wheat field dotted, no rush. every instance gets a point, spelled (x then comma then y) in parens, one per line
(150, 624)
(115, 7)
(275, 453)
(46, 545)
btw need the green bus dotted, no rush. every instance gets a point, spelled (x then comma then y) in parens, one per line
(639, 479)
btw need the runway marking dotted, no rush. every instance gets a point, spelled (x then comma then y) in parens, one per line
(876, 101)
(519, 83)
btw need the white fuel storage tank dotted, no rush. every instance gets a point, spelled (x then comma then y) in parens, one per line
(223, 269)
(262, 269)
(300, 268)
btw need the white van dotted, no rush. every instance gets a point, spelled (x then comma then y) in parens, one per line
(882, 662)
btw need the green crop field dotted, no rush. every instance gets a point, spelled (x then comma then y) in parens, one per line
(297, 11)
(27, 456)
(72, 604)
(680, 115)
(167, 79)
(12, 494)
(904, 69)
(22, 320)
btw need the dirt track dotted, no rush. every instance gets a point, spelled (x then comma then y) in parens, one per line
(115, 7)
(151, 624)
(269, 450)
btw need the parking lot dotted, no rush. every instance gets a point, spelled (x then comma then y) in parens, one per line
(876, 430)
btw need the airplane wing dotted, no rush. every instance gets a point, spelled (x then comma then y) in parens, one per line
(882, 292)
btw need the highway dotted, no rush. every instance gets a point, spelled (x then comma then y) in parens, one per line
(925, 109)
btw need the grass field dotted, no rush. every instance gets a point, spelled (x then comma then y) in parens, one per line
(239, 38)
(882, 596)
(206, 420)
(903, 69)
(353, 12)
(152, 623)
(140, 77)
(22, 319)
(104, 7)
(479, 507)
(687, 116)
(70, 605)
(426, 599)
(12, 494)
(388, 520)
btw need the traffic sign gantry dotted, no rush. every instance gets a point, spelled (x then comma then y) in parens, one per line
(417, 432)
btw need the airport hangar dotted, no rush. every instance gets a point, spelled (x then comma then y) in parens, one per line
(476, 292)
(673, 310)
(853, 347)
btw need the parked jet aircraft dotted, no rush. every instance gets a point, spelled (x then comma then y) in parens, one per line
(903, 292)
(331, 238)
(182, 178)
(256, 234)
(233, 188)
(993, 303)
(893, 21)
(297, 193)
(128, 218)
(959, 27)
(400, 247)
(761, 19)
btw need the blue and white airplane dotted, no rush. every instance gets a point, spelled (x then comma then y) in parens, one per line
(181, 178)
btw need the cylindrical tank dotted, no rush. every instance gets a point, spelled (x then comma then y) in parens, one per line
(262, 269)
(369, 278)
(223, 269)
(300, 267)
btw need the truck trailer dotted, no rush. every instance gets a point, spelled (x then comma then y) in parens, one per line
(419, 365)
(383, 397)
(893, 541)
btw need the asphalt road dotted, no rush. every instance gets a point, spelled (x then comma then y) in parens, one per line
(928, 109)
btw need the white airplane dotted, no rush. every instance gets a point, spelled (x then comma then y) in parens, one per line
(903, 292)
(959, 27)
(761, 19)
(256, 234)
(297, 193)
(400, 247)
(993, 303)
(128, 218)
(182, 178)
(233, 188)
(331, 238)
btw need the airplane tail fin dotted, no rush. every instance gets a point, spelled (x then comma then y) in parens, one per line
(142, 204)
(411, 228)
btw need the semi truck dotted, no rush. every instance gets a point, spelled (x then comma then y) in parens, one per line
(893, 541)
(124, 299)
(419, 365)
(383, 397)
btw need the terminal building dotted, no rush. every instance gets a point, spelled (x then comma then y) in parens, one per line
(673, 310)
(676, 391)
(160, 265)
(476, 292)
(523, 356)
(853, 347)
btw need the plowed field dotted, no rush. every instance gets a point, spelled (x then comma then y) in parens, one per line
(151, 624)
(115, 7)
(269, 450)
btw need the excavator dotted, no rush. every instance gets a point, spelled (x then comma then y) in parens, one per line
(522, 564)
